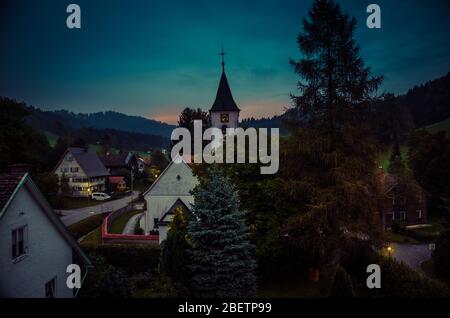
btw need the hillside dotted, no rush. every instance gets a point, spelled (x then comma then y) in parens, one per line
(62, 122)
(440, 126)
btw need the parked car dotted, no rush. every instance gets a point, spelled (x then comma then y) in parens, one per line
(100, 196)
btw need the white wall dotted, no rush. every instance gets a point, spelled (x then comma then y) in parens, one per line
(167, 190)
(48, 253)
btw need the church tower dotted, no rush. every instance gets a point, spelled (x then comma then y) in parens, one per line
(224, 112)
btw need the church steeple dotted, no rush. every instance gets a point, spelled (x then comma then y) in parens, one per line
(224, 99)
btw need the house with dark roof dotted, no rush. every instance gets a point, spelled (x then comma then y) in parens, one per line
(224, 112)
(118, 163)
(83, 170)
(35, 247)
(404, 204)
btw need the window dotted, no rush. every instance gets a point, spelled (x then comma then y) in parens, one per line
(50, 288)
(155, 220)
(74, 169)
(419, 214)
(19, 241)
(403, 215)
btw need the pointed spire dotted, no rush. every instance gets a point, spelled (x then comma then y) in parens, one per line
(223, 53)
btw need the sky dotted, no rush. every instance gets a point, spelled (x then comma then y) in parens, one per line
(153, 58)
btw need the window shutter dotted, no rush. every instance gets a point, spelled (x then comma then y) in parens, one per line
(25, 239)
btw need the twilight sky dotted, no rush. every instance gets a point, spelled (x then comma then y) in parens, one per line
(153, 58)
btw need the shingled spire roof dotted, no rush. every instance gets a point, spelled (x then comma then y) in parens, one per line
(224, 99)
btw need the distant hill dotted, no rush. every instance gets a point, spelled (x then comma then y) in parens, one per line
(429, 103)
(94, 128)
(62, 122)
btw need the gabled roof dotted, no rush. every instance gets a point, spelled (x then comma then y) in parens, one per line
(24, 180)
(176, 185)
(8, 183)
(224, 99)
(171, 211)
(387, 181)
(89, 162)
(119, 160)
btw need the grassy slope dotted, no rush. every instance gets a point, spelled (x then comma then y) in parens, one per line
(442, 125)
(119, 224)
(434, 128)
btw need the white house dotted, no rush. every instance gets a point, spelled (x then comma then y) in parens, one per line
(35, 247)
(172, 189)
(84, 171)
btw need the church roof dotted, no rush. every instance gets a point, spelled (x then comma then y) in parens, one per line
(224, 99)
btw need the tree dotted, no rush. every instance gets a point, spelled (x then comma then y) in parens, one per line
(105, 281)
(441, 255)
(79, 143)
(428, 158)
(159, 160)
(175, 257)
(188, 115)
(342, 285)
(222, 262)
(330, 155)
(19, 143)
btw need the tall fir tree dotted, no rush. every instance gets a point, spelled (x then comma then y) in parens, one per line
(222, 260)
(330, 152)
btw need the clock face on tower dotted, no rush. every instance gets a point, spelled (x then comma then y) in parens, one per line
(224, 118)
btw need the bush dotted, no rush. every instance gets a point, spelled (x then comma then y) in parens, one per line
(396, 226)
(400, 281)
(105, 281)
(342, 285)
(85, 226)
(132, 258)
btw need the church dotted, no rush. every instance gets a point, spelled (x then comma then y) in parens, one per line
(224, 112)
(172, 189)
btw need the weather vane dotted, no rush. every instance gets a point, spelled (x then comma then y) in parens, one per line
(223, 53)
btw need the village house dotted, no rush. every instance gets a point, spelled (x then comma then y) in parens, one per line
(116, 184)
(83, 171)
(35, 247)
(172, 189)
(118, 164)
(400, 204)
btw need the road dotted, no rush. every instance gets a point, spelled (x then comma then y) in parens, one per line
(411, 254)
(73, 216)
(131, 224)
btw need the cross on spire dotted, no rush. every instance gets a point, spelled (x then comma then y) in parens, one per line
(223, 53)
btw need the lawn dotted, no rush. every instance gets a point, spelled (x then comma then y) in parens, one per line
(51, 138)
(389, 236)
(118, 224)
(385, 157)
(440, 126)
(85, 226)
(94, 238)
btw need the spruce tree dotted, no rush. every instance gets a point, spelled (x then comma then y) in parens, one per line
(330, 154)
(222, 262)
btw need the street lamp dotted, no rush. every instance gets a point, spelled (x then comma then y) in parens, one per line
(390, 250)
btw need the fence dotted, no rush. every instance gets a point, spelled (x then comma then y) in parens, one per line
(123, 238)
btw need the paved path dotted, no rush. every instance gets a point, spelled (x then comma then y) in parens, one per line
(411, 254)
(131, 224)
(73, 216)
